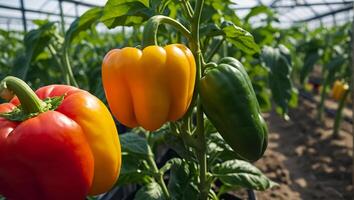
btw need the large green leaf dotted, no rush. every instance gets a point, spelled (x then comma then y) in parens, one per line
(278, 61)
(133, 170)
(181, 185)
(125, 12)
(134, 144)
(35, 41)
(310, 60)
(240, 38)
(335, 64)
(83, 23)
(241, 173)
(177, 144)
(151, 191)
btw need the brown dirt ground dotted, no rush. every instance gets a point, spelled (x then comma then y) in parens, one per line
(304, 158)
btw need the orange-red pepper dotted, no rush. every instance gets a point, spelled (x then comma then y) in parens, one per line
(63, 153)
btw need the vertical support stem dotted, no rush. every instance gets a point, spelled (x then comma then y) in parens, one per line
(352, 88)
(338, 118)
(158, 174)
(62, 16)
(67, 66)
(201, 154)
(24, 20)
(251, 195)
(55, 56)
(320, 109)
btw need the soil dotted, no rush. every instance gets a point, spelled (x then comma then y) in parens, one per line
(305, 159)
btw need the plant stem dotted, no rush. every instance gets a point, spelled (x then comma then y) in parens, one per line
(156, 171)
(152, 26)
(323, 97)
(68, 67)
(54, 55)
(338, 117)
(188, 9)
(201, 151)
(214, 50)
(30, 102)
(352, 88)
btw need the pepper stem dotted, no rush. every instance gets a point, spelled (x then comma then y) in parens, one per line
(152, 26)
(30, 103)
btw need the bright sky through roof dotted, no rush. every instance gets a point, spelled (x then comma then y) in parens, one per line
(11, 19)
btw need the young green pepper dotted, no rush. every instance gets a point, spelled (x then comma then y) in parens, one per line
(231, 105)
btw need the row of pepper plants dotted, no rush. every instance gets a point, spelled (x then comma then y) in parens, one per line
(330, 49)
(205, 105)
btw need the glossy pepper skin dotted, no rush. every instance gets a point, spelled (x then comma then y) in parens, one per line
(231, 105)
(150, 87)
(66, 154)
(338, 90)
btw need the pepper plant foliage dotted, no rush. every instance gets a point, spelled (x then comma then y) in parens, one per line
(180, 176)
(76, 57)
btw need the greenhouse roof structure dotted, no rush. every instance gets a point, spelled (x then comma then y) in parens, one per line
(19, 14)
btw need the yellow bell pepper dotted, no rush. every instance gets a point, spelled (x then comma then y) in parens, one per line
(338, 89)
(150, 87)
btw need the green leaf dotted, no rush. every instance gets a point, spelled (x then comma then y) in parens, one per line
(241, 173)
(167, 166)
(335, 64)
(210, 29)
(227, 188)
(209, 128)
(83, 23)
(309, 63)
(263, 95)
(181, 185)
(159, 135)
(212, 195)
(278, 61)
(240, 38)
(125, 12)
(134, 144)
(177, 144)
(151, 191)
(35, 41)
(218, 150)
(133, 171)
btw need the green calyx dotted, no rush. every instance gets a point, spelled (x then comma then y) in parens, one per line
(30, 105)
(209, 66)
(18, 114)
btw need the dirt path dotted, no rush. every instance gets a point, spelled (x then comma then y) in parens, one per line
(304, 158)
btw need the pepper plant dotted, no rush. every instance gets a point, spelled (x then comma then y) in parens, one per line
(209, 149)
(172, 96)
(335, 60)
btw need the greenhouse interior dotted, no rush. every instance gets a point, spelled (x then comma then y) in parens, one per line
(176, 99)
